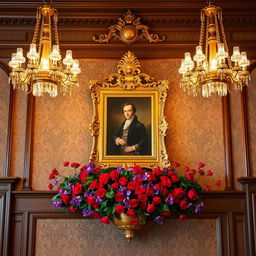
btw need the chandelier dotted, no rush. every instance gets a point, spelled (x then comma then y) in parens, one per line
(44, 72)
(215, 71)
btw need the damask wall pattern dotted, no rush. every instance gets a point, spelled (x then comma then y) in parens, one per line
(251, 95)
(90, 237)
(62, 124)
(4, 112)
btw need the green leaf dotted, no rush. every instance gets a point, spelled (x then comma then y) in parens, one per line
(110, 194)
(57, 196)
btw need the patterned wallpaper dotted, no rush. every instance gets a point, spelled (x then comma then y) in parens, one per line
(4, 111)
(62, 124)
(251, 94)
(92, 238)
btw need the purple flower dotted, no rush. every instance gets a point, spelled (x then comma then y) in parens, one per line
(98, 199)
(66, 192)
(136, 176)
(169, 200)
(159, 220)
(57, 181)
(78, 175)
(129, 169)
(122, 190)
(86, 194)
(144, 177)
(57, 204)
(126, 202)
(76, 201)
(119, 168)
(70, 186)
(87, 213)
(128, 192)
(199, 207)
(166, 169)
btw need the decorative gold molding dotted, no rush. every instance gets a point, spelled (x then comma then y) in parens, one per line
(128, 29)
(128, 81)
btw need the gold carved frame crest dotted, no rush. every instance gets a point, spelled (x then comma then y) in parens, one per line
(129, 83)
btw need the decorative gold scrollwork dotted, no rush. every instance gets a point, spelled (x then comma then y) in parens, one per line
(128, 29)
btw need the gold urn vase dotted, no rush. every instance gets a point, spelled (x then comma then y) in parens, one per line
(124, 223)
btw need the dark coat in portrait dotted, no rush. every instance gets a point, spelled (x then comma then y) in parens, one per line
(136, 135)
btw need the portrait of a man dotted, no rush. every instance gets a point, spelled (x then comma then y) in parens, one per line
(128, 129)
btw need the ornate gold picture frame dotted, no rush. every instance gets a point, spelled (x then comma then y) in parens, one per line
(146, 97)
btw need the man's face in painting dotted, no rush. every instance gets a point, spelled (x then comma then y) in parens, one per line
(128, 112)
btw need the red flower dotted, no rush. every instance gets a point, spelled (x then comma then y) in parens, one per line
(133, 203)
(77, 189)
(157, 171)
(137, 169)
(114, 175)
(151, 208)
(218, 183)
(143, 205)
(98, 169)
(75, 165)
(101, 192)
(165, 191)
(83, 176)
(83, 168)
(119, 208)
(72, 209)
(175, 178)
(192, 194)
(149, 191)
(103, 179)
(115, 185)
(142, 198)
(119, 197)
(156, 200)
(178, 192)
(50, 186)
(176, 164)
(66, 164)
(105, 220)
(201, 171)
(139, 190)
(201, 165)
(151, 176)
(96, 215)
(138, 181)
(182, 217)
(159, 186)
(186, 168)
(183, 205)
(131, 185)
(165, 214)
(193, 170)
(123, 181)
(131, 213)
(94, 185)
(96, 205)
(65, 198)
(170, 173)
(209, 173)
(207, 188)
(166, 181)
(53, 174)
(189, 176)
(134, 221)
(90, 200)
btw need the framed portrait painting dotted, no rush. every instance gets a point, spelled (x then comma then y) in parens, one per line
(128, 126)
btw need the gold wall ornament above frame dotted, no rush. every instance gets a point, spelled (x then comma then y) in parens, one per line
(131, 86)
(128, 29)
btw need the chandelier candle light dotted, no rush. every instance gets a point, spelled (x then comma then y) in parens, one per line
(215, 71)
(44, 72)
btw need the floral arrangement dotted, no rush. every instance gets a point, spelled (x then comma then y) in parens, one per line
(135, 191)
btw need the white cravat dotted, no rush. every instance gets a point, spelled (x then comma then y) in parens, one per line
(128, 122)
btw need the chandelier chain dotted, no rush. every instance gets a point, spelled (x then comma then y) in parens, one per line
(35, 35)
(41, 35)
(55, 24)
(217, 28)
(202, 29)
(207, 36)
(224, 39)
